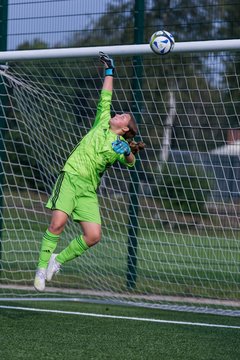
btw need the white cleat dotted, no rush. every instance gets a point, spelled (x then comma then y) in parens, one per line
(39, 281)
(53, 267)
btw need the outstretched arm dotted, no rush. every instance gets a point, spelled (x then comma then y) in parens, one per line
(104, 104)
(109, 71)
(108, 83)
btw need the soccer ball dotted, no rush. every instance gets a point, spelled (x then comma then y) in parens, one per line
(162, 42)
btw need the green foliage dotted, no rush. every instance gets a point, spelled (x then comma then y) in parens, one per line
(184, 188)
(35, 44)
(204, 112)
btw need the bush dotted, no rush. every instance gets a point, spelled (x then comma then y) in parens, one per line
(184, 188)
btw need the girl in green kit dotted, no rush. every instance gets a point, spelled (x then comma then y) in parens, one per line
(74, 193)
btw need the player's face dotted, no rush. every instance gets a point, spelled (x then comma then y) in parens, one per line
(120, 120)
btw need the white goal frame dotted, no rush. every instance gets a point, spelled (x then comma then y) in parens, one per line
(133, 50)
(141, 49)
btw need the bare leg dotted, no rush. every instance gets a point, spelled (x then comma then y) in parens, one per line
(91, 232)
(58, 222)
(91, 236)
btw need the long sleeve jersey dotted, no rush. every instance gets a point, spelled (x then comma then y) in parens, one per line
(94, 153)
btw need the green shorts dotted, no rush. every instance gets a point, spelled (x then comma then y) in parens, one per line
(76, 198)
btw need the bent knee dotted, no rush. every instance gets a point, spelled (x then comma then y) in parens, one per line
(93, 238)
(58, 222)
(56, 228)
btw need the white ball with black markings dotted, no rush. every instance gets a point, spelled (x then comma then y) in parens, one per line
(162, 42)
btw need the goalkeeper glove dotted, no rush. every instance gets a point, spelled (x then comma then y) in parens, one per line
(121, 147)
(109, 64)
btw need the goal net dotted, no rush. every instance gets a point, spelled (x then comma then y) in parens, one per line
(170, 233)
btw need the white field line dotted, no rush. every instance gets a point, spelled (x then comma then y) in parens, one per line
(119, 317)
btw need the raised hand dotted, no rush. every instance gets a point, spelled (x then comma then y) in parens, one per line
(108, 62)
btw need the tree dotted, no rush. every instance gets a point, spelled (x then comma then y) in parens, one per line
(188, 20)
(36, 44)
(230, 30)
(196, 126)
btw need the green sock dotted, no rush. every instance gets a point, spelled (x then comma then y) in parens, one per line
(49, 244)
(76, 247)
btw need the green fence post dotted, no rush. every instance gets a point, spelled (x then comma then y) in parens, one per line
(134, 185)
(3, 47)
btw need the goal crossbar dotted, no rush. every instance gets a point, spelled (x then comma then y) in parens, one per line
(141, 49)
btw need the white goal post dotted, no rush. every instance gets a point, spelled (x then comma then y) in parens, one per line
(171, 230)
(137, 49)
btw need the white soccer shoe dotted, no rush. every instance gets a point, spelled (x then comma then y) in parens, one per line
(53, 267)
(39, 281)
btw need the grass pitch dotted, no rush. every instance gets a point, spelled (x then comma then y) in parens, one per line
(93, 331)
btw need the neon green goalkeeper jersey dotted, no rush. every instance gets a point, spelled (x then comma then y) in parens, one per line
(94, 153)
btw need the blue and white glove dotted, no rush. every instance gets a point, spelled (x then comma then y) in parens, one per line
(121, 147)
(108, 62)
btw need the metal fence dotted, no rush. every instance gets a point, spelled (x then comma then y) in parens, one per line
(63, 23)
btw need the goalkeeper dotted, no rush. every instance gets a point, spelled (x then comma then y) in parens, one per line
(74, 194)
